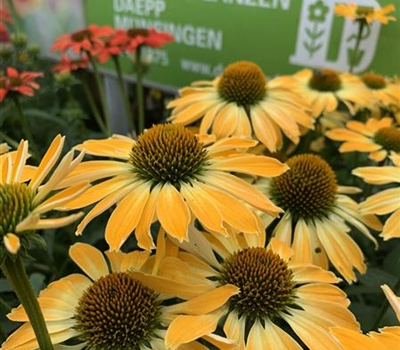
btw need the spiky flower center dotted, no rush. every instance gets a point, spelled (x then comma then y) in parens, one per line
(134, 32)
(389, 138)
(16, 202)
(307, 190)
(117, 312)
(325, 80)
(81, 35)
(374, 81)
(265, 282)
(364, 11)
(168, 153)
(243, 83)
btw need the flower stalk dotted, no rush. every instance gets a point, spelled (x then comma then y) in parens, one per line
(15, 273)
(94, 108)
(124, 93)
(100, 87)
(354, 57)
(139, 90)
(25, 126)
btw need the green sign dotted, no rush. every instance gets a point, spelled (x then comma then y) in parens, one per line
(281, 36)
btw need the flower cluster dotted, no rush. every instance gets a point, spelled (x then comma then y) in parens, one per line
(247, 220)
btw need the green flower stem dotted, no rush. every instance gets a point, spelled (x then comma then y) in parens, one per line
(124, 93)
(16, 19)
(100, 87)
(9, 140)
(139, 90)
(93, 107)
(361, 24)
(385, 306)
(25, 127)
(15, 273)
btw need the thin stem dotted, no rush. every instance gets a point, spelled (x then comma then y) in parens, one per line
(93, 107)
(9, 140)
(139, 91)
(385, 306)
(16, 19)
(124, 93)
(25, 127)
(354, 56)
(15, 273)
(100, 87)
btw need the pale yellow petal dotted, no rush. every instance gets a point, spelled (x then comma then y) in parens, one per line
(312, 334)
(391, 227)
(393, 299)
(172, 212)
(194, 327)
(48, 161)
(110, 148)
(126, 216)
(203, 207)
(270, 337)
(225, 122)
(89, 259)
(242, 189)
(205, 303)
(250, 164)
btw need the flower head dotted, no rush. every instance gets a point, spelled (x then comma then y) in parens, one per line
(241, 102)
(18, 82)
(316, 215)
(273, 291)
(115, 304)
(169, 175)
(135, 37)
(85, 40)
(69, 64)
(365, 13)
(24, 196)
(376, 137)
(325, 89)
(385, 201)
(386, 91)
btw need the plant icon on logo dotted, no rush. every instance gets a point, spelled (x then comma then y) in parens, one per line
(316, 16)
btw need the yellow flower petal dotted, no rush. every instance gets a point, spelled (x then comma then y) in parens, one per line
(172, 212)
(89, 259)
(126, 216)
(195, 327)
(12, 242)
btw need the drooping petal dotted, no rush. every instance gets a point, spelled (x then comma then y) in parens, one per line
(126, 216)
(89, 259)
(172, 212)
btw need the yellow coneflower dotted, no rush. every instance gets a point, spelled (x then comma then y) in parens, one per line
(275, 294)
(365, 13)
(376, 137)
(25, 196)
(242, 102)
(169, 175)
(324, 89)
(386, 201)
(317, 213)
(108, 308)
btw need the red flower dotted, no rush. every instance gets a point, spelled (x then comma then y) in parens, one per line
(149, 37)
(21, 83)
(113, 45)
(88, 39)
(69, 64)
